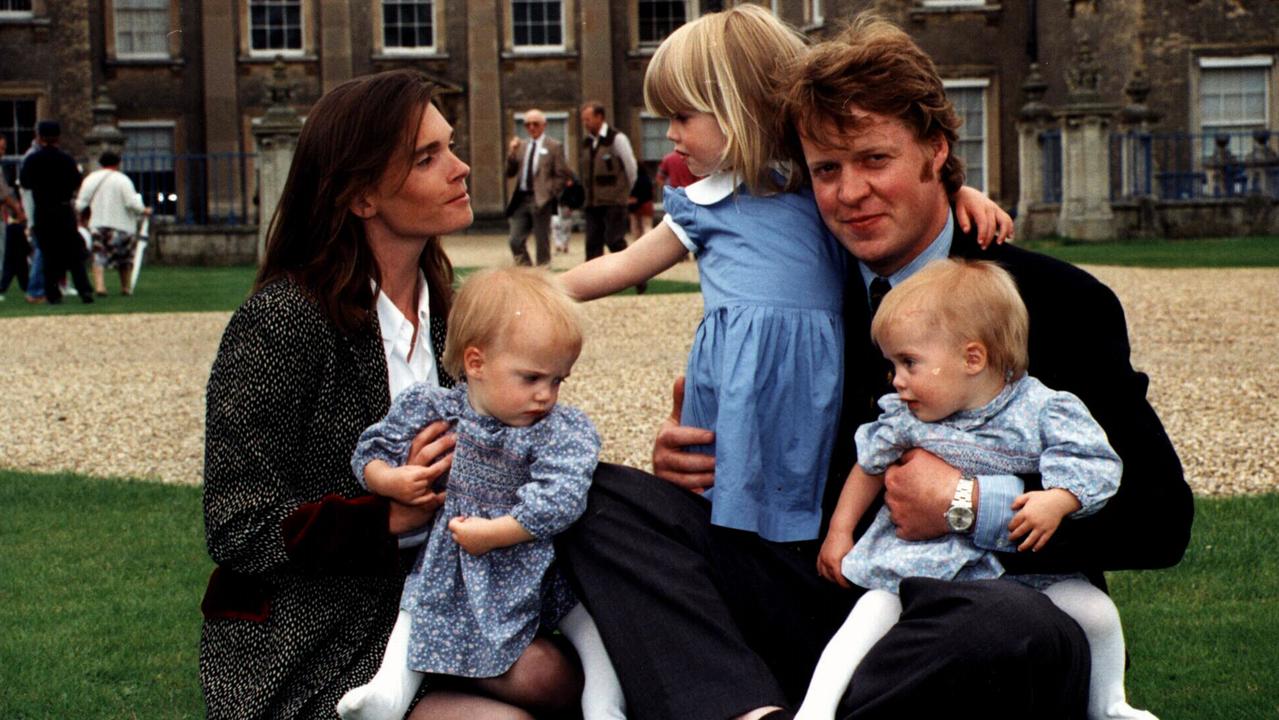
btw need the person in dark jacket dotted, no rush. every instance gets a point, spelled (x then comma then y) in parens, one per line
(53, 178)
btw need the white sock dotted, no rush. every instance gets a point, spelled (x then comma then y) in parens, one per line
(388, 694)
(602, 696)
(873, 615)
(1096, 614)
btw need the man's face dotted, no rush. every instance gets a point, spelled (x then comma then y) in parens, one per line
(535, 125)
(878, 189)
(591, 121)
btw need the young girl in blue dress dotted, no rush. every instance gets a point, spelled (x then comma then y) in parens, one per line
(956, 333)
(765, 371)
(484, 583)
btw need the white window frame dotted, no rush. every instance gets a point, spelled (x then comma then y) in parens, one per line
(436, 33)
(1264, 62)
(19, 14)
(272, 52)
(157, 55)
(540, 49)
(554, 118)
(982, 84)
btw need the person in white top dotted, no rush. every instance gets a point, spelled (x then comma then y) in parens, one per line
(114, 207)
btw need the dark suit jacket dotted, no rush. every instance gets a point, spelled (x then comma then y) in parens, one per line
(549, 177)
(308, 579)
(1078, 343)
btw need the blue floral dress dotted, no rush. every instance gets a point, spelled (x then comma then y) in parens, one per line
(1027, 428)
(766, 368)
(473, 616)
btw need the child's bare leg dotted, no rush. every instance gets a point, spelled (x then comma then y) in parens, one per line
(388, 694)
(1096, 614)
(871, 617)
(602, 696)
(543, 680)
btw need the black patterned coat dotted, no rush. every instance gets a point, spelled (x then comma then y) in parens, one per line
(308, 579)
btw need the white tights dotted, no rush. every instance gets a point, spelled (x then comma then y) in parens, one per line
(388, 694)
(878, 610)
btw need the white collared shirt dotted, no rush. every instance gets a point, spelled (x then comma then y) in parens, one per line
(407, 361)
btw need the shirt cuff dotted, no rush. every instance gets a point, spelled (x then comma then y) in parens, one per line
(414, 538)
(995, 511)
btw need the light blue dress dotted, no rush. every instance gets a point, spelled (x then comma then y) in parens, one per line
(1027, 428)
(473, 616)
(766, 368)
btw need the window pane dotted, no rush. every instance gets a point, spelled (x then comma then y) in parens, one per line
(15, 6)
(275, 24)
(969, 103)
(659, 18)
(142, 27)
(654, 145)
(537, 23)
(408, 23)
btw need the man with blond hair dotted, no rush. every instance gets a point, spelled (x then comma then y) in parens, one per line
(874, 132)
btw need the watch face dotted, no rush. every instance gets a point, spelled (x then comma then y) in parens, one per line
(959, 518)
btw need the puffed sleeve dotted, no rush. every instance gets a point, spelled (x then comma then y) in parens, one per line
(1077, 456)
(881, 442)
(390, 438)
(566, 450)
(682, 218)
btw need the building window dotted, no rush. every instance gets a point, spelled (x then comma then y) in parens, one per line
(148, 160)
(653, 143)
(275, 26)
(408, 25)
(659, 18)
(969, 99)
(1233, 100)
(556, 126)
(141, 28)
(15, 8)
(537, 24)
(18, 124)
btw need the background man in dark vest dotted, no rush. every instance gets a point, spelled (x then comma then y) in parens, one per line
(608, 172)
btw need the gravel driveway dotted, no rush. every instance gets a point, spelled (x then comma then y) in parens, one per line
(123, 395)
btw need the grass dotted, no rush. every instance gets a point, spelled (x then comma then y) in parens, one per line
(201, 289)
(100, 585)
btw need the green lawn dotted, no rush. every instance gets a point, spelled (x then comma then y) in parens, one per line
(100, 585)
(1209, 252)
(200, 289)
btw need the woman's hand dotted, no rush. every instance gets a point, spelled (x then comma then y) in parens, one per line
(404, 518)
(431, 450)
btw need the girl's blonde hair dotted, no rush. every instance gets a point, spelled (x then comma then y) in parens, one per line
(730, 64)
(966, 299)
(494, 302)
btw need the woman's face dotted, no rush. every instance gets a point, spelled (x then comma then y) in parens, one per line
(431, 201)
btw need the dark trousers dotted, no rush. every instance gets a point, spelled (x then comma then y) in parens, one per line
(64, 253)
(525, 217)
(16, 250)
(606, 226)
(705, 622)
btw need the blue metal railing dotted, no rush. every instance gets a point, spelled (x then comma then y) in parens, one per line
(1050, 146)
(189, 189)
(197, 189)
(1191, 166)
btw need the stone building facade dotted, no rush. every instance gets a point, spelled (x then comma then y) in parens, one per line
(193, 76)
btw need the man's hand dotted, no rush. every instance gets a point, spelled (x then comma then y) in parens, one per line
(671, 462)
(830, 560)
(514, 146)
(1039, 513)
(918, 490)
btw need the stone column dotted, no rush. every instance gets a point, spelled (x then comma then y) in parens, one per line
(104, 135)
(336, 60)
(1085, 149)
(1035, 117)
(484, 107)
(596, 45)
(276, 138)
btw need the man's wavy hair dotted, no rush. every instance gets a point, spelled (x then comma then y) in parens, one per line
(874, 66)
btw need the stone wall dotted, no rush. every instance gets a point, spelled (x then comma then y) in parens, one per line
(205, 246)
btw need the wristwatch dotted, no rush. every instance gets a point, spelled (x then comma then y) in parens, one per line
(959, 516)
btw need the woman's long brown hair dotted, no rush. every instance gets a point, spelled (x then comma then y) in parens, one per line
(353, 135)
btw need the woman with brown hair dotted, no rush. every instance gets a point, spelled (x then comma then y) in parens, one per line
(348, 309)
